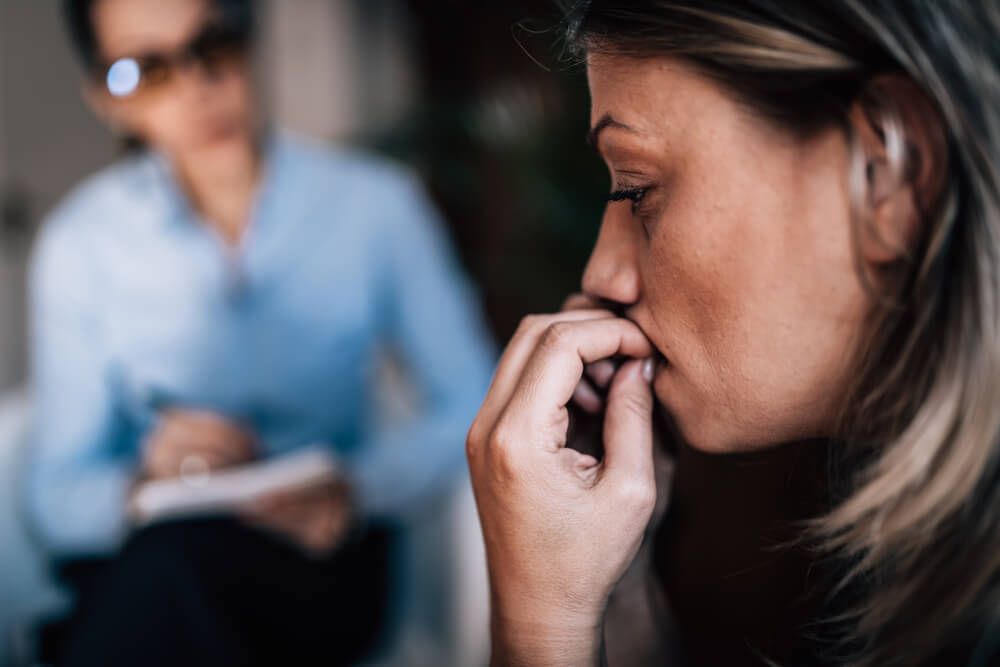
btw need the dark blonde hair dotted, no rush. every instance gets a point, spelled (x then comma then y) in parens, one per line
(917, 513)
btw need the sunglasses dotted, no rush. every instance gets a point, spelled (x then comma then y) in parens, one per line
(214, 48)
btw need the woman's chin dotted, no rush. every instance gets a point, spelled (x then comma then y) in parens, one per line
(686, 420)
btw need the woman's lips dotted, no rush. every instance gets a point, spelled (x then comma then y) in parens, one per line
(658, 357)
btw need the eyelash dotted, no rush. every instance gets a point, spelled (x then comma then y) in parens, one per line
(633, 194)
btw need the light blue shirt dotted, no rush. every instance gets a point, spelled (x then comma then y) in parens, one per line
(138, 306)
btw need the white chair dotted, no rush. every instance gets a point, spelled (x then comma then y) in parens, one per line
(25, 591)
(444, 618)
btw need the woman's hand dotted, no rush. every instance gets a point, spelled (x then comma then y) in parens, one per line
(194, 443)
(561, 527)
(589, 393)
(316, 518)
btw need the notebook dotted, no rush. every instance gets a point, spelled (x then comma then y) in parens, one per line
(227, 490)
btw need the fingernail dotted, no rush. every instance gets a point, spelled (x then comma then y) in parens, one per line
(647, 369)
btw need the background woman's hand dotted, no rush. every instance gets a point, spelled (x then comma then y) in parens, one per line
(194, 442)
(561, 527)
(316, 518)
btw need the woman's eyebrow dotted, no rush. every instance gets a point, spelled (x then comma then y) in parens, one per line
(606, 121)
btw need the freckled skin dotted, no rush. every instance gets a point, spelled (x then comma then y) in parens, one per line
(738, 262)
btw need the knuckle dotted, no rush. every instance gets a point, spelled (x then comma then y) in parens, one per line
(638, 495)
(575, 300)
(557, 335)
(503, 447)
(502, 436)
(580, 301)
(530, 323)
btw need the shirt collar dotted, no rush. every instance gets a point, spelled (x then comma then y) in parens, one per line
(165, 188)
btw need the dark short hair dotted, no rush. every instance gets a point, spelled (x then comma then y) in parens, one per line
(78, 15)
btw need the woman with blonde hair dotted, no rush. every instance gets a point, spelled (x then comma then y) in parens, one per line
(799, 268)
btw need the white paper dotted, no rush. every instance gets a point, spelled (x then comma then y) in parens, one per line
(229, 489)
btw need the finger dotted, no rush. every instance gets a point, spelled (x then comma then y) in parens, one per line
(268, 502)
(324, 524)
(336, 521)
(517, 354)
(277, 514)
(326, 491)
(556, 367)
(320, 539)
(188, 422)
(628, 424)
(168, 455)
(313, 528)
(602, 372)
(523, 345)
(199, 418)
(235, 444)
(579, 301)
(208, 434)
(214, 458)
(587, 398)
(208, 425)
(165, 457)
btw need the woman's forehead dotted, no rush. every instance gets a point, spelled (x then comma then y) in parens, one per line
(653, 96)
(127, 27)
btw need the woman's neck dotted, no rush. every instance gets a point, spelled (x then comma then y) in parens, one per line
(221, 184)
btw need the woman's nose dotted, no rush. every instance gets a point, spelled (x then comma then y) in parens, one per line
(612, 272)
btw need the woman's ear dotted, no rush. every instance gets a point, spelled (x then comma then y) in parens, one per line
(901, 143)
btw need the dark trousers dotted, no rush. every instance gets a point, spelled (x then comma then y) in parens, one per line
(216, 592)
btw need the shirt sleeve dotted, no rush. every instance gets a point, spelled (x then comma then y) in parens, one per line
(433, 321)
(78, 479)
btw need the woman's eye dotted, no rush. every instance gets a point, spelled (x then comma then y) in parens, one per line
(634, 195)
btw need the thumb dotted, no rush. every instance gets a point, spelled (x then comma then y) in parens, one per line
(628, 424)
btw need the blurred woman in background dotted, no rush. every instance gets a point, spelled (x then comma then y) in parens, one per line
(220, 297)
(800, 263)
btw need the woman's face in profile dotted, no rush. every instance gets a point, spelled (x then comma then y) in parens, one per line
(731, 248)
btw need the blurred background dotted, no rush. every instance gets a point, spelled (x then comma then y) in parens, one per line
(471, 95)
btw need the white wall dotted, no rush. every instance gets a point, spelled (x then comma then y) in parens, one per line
(48, 140)
(10, 311)
(336, 68)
